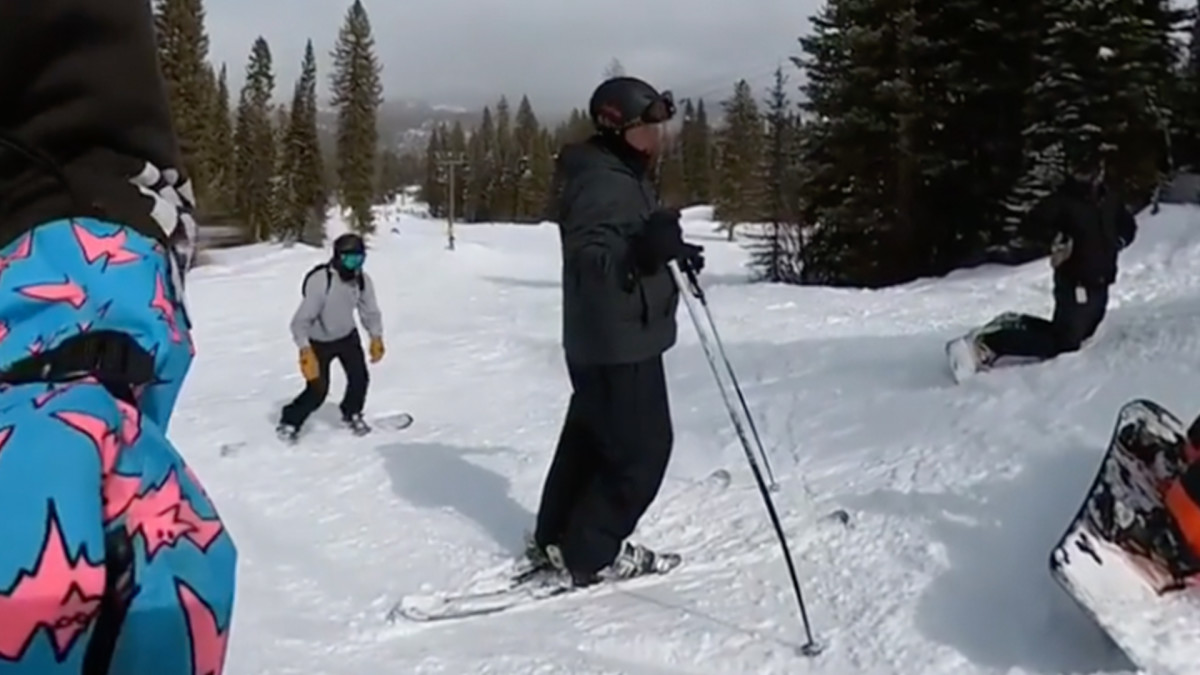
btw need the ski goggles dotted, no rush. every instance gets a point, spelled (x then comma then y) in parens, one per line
(352, 261)
(662, 109)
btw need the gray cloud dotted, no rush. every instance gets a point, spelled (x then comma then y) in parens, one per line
(469, 52)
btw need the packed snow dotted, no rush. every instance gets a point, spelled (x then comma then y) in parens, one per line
(956, 492)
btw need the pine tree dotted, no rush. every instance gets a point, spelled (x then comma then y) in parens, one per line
(306, 195)
(482, 162)
(433, 189)
(697, 153)
(740, 147)
(1104, 77)
(669, 173)
(224, 176)
(503, 196)
(183, 53)
(775, 252)
(255, 140)
(614, 69)
(859, 106)
(357, 94)
(530, 180)
(390, 180)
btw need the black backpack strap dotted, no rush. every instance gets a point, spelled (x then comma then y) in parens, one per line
(112, 357)
(119, 589)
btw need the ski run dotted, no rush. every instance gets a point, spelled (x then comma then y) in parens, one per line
(953, 495)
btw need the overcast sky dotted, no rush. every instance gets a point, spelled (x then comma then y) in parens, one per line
(468, 52)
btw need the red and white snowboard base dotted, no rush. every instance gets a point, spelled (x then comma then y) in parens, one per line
(1116, 557)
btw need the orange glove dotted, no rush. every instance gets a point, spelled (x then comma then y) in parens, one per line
(308, 364)
(376, 349)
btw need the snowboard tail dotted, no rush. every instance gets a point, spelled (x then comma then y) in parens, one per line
(1123, 558)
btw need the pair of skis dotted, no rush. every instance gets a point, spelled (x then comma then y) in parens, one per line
(521, 588)
(528, 584)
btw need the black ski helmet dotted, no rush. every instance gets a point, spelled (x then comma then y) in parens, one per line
(349, 243)
(623, 102)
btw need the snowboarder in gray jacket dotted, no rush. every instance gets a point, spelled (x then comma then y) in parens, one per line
(324, 329)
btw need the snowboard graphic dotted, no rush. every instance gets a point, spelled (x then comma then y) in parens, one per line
(1122, 557)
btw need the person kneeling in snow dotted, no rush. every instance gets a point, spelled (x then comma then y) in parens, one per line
(324, 329)
(113, 558)
(1091, 226)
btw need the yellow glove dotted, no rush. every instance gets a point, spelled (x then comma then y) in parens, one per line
(308, 364)
(376, 349)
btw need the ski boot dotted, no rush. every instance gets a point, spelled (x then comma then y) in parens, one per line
(633, 561)
(357, 425)
(287, 432)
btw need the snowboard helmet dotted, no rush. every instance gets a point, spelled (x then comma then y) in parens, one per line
(620, 103)
(349, 254)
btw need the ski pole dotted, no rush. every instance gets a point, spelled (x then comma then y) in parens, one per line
(698, 292)
(692, 286)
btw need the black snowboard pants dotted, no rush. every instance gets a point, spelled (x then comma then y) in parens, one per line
(1078, 312)
(349, 352)
(609, 463)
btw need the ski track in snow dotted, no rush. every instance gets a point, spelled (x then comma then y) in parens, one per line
(956, 493)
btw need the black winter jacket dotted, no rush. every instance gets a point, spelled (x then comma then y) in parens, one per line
(612, 312)
(1098, 225)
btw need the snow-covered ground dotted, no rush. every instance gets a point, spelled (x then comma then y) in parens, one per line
(956, 493)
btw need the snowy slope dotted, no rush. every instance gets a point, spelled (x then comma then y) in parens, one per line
(957, 492)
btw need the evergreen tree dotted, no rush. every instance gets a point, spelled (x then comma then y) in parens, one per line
(506, 160)
(740, 147)
(854, 191)
(391, 177)
(614, 69)
(433, 190)
(775, 252)
(482, 162)
(357, 95)
(532, 169)
(254, 137)
(697, 153)
(183, 53)
(1104, 79)
(306, 194)
(669, 173)
(224, 176)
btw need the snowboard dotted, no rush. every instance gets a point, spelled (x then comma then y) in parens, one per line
(398, 421)
(1122, 558)
(964, 353)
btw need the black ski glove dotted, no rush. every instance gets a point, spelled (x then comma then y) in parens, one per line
(661, 241)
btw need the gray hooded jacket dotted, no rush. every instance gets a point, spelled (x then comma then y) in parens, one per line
(328, 315)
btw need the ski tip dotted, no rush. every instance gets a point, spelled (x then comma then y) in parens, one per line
(812, 649)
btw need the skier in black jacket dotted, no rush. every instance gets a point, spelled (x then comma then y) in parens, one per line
(619, 303)
(1091, 225)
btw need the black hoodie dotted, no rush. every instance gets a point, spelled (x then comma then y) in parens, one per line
(1098, 225)
(82, 95)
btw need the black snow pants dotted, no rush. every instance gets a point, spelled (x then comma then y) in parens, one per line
(610, 461)
(349, 352)
(1078, 312)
